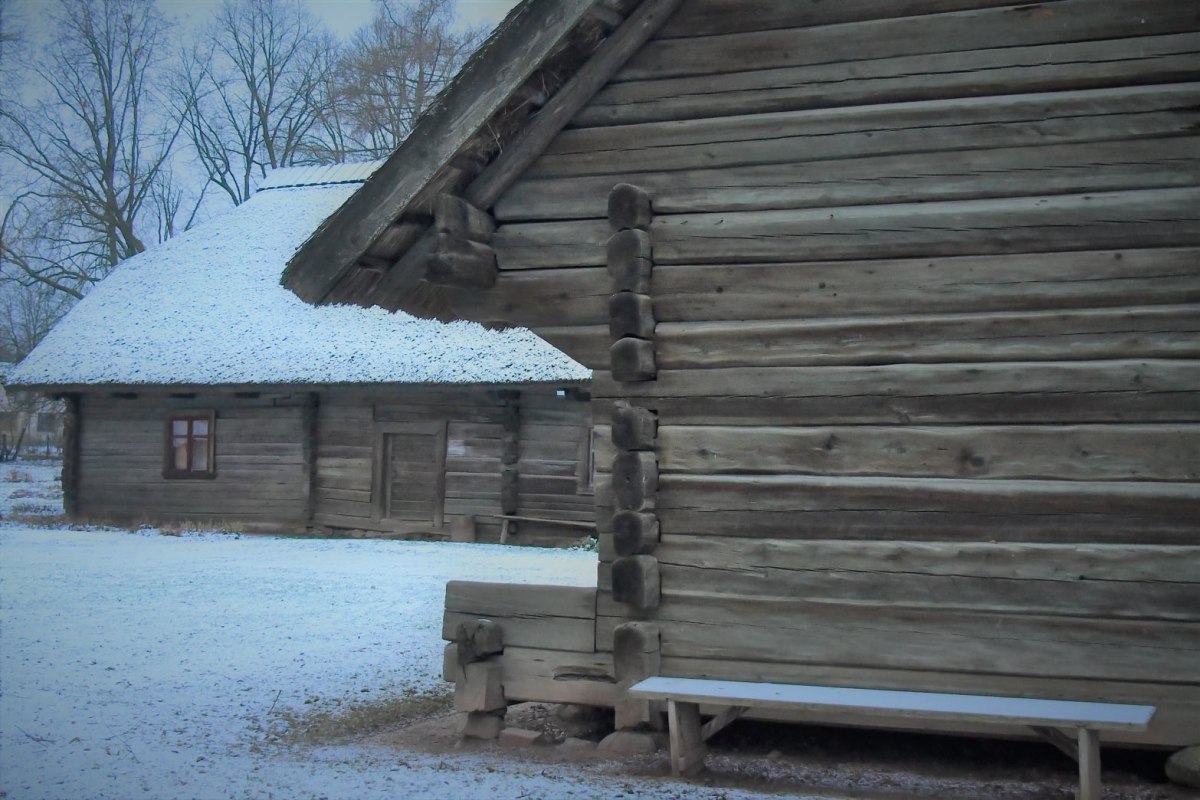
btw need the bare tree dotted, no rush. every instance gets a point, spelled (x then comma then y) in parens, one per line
(27, 313)
(395, 66)
(93, 143)
(250, 93)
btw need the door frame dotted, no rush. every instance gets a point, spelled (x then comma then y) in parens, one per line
(381, 461)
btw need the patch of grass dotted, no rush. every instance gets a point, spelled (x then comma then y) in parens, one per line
(39, 510)
(17, 476)
(356, 720)
(40, 520)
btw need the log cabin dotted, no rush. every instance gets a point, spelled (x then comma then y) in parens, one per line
(201, 391)
(894, 312)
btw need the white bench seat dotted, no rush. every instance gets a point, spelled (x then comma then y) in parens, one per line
(1046, 717)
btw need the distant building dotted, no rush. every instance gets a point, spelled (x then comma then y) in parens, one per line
(199, 389)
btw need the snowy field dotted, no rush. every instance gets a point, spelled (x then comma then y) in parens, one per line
(143, 665)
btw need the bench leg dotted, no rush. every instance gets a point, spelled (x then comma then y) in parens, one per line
(1089, 764)
(687, 744)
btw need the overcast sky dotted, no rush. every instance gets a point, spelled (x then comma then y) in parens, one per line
(343, 16)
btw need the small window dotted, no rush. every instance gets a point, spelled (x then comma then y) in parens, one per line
(190, 446)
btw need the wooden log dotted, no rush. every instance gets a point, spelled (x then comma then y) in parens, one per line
(462, 263)
(630, 314)
(634, 533)
(1145, 452)
(452, 667)
(509, 496)
(482, 690)
(1131, 582)
(460, 219)
(866, 635)
(629, 208)
(1150, 332)
(633, 360)
(717, 17)
(633, 427)
(1006, 226)
(630, 261)
(73, 434)
(688, 749)
(635, 480)
(510, 448)
(478, 639)
(823, 134)
(556, 676)
(636, 582)
(930, 509)
(869, 179)
(907, 78)
(970, 29)
(491, 600)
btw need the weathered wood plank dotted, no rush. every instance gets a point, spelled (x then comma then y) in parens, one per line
(577, 297)
(873, 179)
(1094, 581)
(926, 76)
(1067, 21)
(797, 507)
(1051, 392)
(1147, 218)
(944, 126)
(1072, 453)
(867, 635)
(714, 17)
(555, 676)
(504, 599)
(1141, 332)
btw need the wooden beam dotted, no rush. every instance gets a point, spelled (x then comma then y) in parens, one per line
(633, 360)
(721, 721)
(455, 216)
(606, 16)
(630, 314)
(637, 581)
(635, 533)
(629, 208)
(462, 263)
(483, 192)
(633, 427)
(1059, 739)
(489, 79)
(629, 261)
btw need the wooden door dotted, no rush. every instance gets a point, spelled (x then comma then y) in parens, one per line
(412, 473)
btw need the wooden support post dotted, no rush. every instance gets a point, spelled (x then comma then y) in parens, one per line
(636, 656)
(482, 689)
(472, 661)
(70, 450)
(478, 639)
(312, 408)
(462, 263)
(687, 745)
(1089, 764)
(721, 721)
(633, 428)
(636, 582)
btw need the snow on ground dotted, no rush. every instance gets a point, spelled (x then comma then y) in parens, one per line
(145, 665)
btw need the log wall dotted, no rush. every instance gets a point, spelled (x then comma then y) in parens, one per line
(927, 290)
(261, 481)
(294, 461)
(352, 423)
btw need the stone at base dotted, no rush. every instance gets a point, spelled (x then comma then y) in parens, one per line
(480, 725)
(577, 720)
(519, 737)
(577, 744)
(632, 743)
(1184, 767)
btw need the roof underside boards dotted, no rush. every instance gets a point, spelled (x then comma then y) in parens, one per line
(464, 128)
(206, 308)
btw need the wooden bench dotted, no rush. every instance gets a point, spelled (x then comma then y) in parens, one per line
(734, 698)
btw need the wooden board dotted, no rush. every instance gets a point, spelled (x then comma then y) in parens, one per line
(1080, 452)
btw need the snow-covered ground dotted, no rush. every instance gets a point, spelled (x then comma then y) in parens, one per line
(145, 665)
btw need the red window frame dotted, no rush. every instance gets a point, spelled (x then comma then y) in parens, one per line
(196, 432)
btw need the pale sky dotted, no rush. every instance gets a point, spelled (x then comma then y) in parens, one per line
(343, 16)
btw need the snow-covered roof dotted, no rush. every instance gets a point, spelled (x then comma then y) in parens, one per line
(207, 308)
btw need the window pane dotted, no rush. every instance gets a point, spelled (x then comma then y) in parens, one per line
(179, 453)
(200, 454)
(179, 427)
(200, 427)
